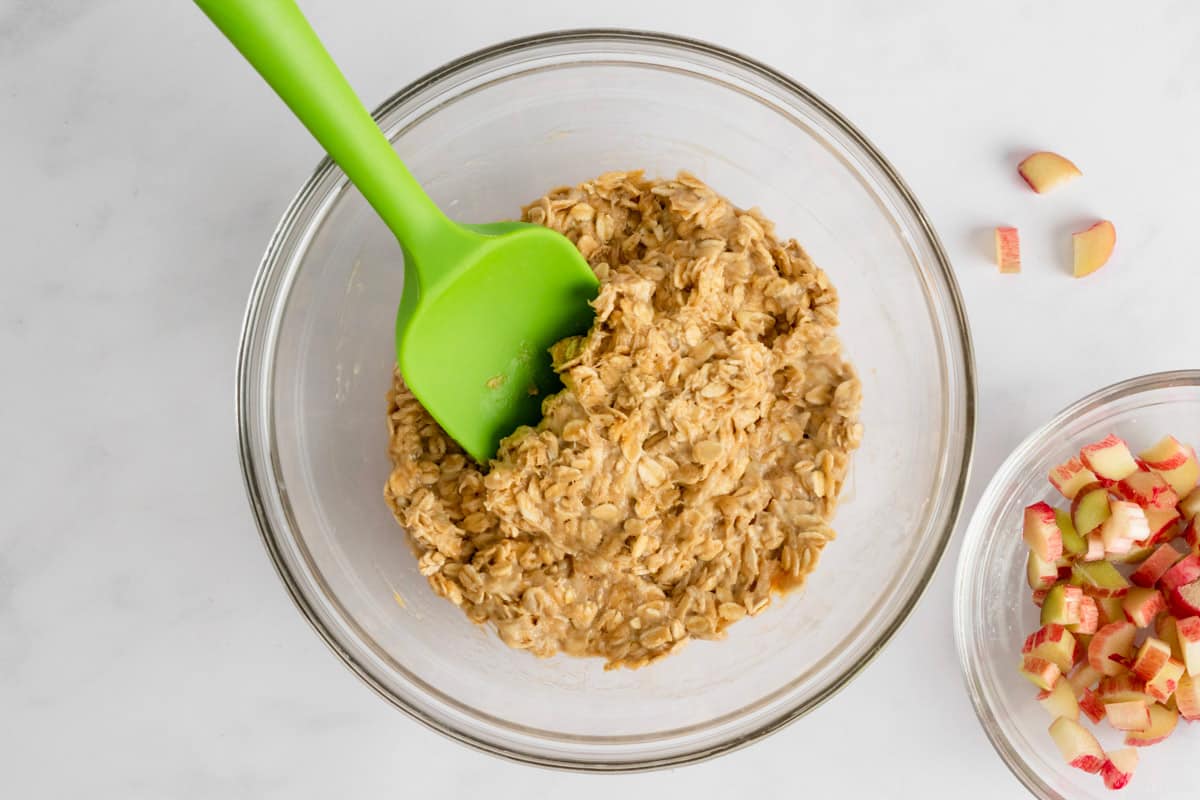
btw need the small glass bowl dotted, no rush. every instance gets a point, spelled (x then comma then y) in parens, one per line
(993, 611)
(485, 135)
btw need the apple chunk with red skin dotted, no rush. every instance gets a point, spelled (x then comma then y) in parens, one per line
(1045, 170)
(1175, 462)
(1111, 647)
(1078, 746)
(1118, 770)
(1093, 247)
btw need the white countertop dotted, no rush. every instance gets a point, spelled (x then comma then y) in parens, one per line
(147, 649)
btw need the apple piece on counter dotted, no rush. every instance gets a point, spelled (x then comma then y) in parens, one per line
(1095, 547)
(1125, 525)
(1008, 250)
(1118, 769)
(1183, 572)
(1122, 688)
(1078, 746)
(1110, 458)
(1089, 508)
(1111, 647)
(1148, 490)
(1041, 532)
(1053, 643)
(1073, 543)
(1185, 601)
(1061, 606)
(1093, 247)
(1041, 574)
(1156, 565)
(1089, 618)
(1131, 715)
(1082, 678)
(1162, 523)
(1111, 609)
(1041, 672)
(1099, 579)
(1187, 697)
(1142, 605)
(1070, 476)
(1187, 631)
(1189, 506)
(1175, 462)
(1061, 702)
(1151, 657)
(1045, 170)
(1162, 722)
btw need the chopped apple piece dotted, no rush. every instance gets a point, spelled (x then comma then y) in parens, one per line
(1188, 632)
(1078, 746)
(1162, 722)
(1111, 647)
(1175, 462)
(1156, 565)
(1184, 572)
(1118, 770)
(1148, 490)
(1163, 685)
(1045, 170)
(1131, 715)
(1008, 250)
(1041, 574)
(1125, 525)
(1061, 702)
(1041, 532)
(1093, 247)
(1090, 508)
(1041, 672)
(1187, 697)
(1099, 579)
(1185, 601)
(1071, 476)
(1152, 656)
(1141, 606)
(1061, 606)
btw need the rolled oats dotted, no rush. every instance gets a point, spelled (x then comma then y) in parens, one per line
(692, 464)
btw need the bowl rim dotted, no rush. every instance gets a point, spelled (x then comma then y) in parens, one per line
(963, 632)
(954, 309)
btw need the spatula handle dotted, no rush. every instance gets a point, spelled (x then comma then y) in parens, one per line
(277, 40)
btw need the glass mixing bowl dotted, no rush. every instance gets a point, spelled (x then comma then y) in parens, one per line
(993, 612)
(485, 135)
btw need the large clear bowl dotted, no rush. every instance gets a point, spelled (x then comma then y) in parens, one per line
(993, 612)
(485, 135)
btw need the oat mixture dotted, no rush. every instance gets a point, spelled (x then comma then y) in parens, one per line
(692, 464)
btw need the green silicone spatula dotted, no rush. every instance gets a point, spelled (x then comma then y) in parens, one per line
(481, 303)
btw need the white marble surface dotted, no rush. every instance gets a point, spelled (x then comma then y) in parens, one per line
(147, 650)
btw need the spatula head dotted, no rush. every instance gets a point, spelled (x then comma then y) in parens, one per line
(473, 346)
